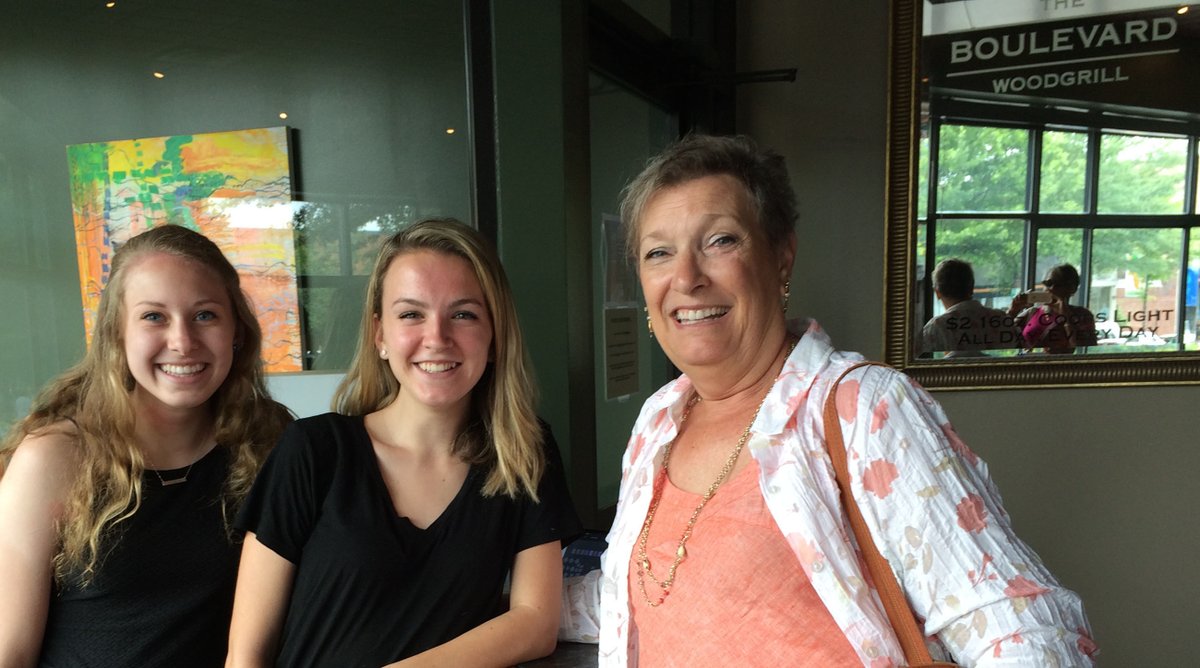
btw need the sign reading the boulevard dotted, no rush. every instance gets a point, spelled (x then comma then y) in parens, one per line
(1073, 50)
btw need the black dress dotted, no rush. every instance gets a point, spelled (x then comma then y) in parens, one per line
(370, 587)
(164, 593)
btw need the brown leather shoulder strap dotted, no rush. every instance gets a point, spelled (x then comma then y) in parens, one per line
(912, 640)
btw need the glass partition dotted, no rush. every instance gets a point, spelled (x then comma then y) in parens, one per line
(373, 97)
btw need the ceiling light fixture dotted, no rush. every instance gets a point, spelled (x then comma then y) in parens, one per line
(159, 75)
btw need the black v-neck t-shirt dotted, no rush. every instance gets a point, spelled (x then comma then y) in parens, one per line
(370, 587)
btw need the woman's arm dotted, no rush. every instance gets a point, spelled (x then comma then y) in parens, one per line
(32, 494)
(581, 608)
(264, 586)
(977, 586)
(527, 631)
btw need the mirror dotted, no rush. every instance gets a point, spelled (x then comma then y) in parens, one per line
(1043, 227)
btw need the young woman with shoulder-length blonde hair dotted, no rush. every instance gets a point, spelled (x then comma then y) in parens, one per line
(118, 486)
(383, 533)
(505, 400)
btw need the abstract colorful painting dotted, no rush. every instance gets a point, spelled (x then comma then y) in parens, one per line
(234, 187)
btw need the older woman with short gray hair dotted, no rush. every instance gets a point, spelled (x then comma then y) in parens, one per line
(730, 544)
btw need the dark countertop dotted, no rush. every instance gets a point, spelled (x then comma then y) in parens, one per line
(567, 655)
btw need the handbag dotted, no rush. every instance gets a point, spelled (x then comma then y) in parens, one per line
(900, 615)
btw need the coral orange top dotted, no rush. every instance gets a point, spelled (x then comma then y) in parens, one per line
(740, 597)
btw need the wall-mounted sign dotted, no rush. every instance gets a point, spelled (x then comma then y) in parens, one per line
(621, 351)
(1065, 50)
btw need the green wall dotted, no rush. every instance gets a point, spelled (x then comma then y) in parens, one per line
(543, 242)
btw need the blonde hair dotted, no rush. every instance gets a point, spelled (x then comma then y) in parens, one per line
(96, 396)
(502, 404)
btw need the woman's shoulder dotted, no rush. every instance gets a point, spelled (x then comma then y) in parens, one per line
(328, 423)
(55, 444)
(324, 433)
(549, 445)
(868, 381)
(46, 459)
(853, 366)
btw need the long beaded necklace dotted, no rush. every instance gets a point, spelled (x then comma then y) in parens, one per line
(643, 561)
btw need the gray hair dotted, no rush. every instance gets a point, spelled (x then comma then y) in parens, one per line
(763, 172)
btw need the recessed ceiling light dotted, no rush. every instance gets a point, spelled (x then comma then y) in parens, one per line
(283, 114)
(1182, 10)
(110, 5)
(159, 75)
(449, 131)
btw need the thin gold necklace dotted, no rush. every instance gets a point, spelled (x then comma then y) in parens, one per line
(644, 571)
(178, 480)
(173, 481)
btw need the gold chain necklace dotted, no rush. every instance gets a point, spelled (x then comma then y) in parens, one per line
(643, 562)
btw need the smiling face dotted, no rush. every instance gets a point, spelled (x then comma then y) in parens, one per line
(713, 286)
(178, 329)
(434, 330)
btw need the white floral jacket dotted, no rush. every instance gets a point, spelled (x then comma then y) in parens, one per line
(933, 511)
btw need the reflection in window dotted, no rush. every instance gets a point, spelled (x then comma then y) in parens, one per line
(1063, 187)
(1058, 246)
(982, 168)
(994, 250)
(336, 246)
(1135, 283)
(1191, 291)
(1142, 174)
(923, 175)
(1114, 205)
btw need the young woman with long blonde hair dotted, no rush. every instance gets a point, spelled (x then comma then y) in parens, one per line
(118, 488)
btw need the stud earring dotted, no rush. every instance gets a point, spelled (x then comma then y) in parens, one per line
(383, 353)
(787, 294)
(649, 324)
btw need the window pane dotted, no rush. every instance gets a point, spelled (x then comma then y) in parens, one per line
(982, 169)
(1192, 291)
(370, 224)
(920, 286)
(1140, 174)
(1135, 286)
(331, 306)
(1058, 246)
(923, 175)
(993, 247)
(920, 249)
(336, 244)
(1063, 173)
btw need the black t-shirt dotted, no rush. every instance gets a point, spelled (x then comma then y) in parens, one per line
(163, 595)
(371, 588)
